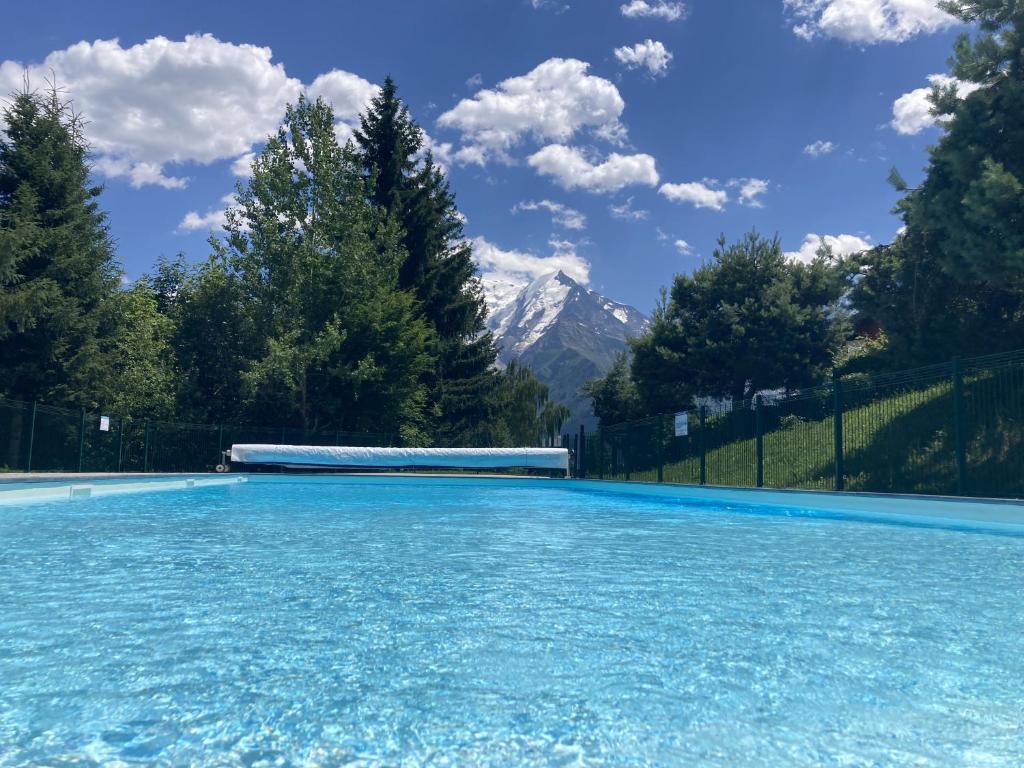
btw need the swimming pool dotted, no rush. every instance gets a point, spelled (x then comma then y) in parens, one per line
(312, 621)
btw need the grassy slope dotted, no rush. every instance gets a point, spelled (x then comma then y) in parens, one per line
(900, 443)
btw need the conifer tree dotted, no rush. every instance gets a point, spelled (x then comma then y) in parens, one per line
(971, 203)
(438, 267)
(312, 268)
(57, 266)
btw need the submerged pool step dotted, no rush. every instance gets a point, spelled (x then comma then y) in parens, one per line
(56, 491)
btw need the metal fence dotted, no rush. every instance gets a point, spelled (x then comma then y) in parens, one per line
(40, 438)
(955, 428)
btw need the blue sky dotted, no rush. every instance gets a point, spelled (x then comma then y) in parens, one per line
(630, 135)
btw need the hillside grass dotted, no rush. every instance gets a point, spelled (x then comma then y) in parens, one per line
(901, 443)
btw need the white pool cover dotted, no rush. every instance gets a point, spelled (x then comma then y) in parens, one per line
(434, 458)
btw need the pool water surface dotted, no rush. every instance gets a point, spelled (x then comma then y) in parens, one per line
(309, 621)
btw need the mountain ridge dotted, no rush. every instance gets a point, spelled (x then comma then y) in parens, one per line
(566, 333)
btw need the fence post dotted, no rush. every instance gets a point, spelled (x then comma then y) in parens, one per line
(958, 428)
(145, 449)
(759, 440)
(81, 441)
(581, 455)
(600, 454)
(702, 416)
(31, 436)
(837, 421)
(120, 445)
(659, 425)
(627, 452)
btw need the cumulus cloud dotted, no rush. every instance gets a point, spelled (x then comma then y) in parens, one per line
(819, 148)
(550, 103)
(649, 54)
(561, 214)
(571, 169)
(211, 221)
(348, 94)
(627, 212)
(701, 194)
(750, 191)
(517, 266)
(841, 245)
(660, 9)
(866, 22)
(165, 102)
(684, 248)
(912, 112)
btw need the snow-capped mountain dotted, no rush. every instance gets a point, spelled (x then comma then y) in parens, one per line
(565, 333)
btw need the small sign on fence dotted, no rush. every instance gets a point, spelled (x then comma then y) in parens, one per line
(682, 424)
(104, 423)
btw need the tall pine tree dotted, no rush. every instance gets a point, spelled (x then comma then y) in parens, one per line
(57, 266)
(438, 267)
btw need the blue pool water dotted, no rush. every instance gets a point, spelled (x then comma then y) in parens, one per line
(384, 622)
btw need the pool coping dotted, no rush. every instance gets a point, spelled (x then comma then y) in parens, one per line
(1001, 515)
(55, 489)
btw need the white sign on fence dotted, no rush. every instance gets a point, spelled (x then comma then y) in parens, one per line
(682, 424)
(104, 423)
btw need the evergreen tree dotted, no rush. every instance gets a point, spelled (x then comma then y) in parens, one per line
(971, 204)
(57, 266)
(312, 270)
(749, 321)
(438, 267)
(614, 396)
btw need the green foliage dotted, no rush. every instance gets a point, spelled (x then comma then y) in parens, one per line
(305, 286)
(749, 321)
(614, 396)
(971, 203)
(527, 415)
(342, 295)
(57, 267)
(951, 282)
(138, 354)
(926, 314)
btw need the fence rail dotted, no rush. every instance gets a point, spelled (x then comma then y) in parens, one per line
(953, 429)
(41, 438)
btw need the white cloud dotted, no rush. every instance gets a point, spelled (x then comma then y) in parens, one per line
(212, 220)
(650, 54)
(561, 214)
(627, 212)
(550, 103)
(699, 193)
(557, 7)
(242, 166)
(866, 22)
(475, 81)
(750, 191)
(637, 9)
(348, 94)
(819, 148)
(684, 248)
(841, 245)
(165, 102)
(572, 170)
(518, 266)
(912, 112)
